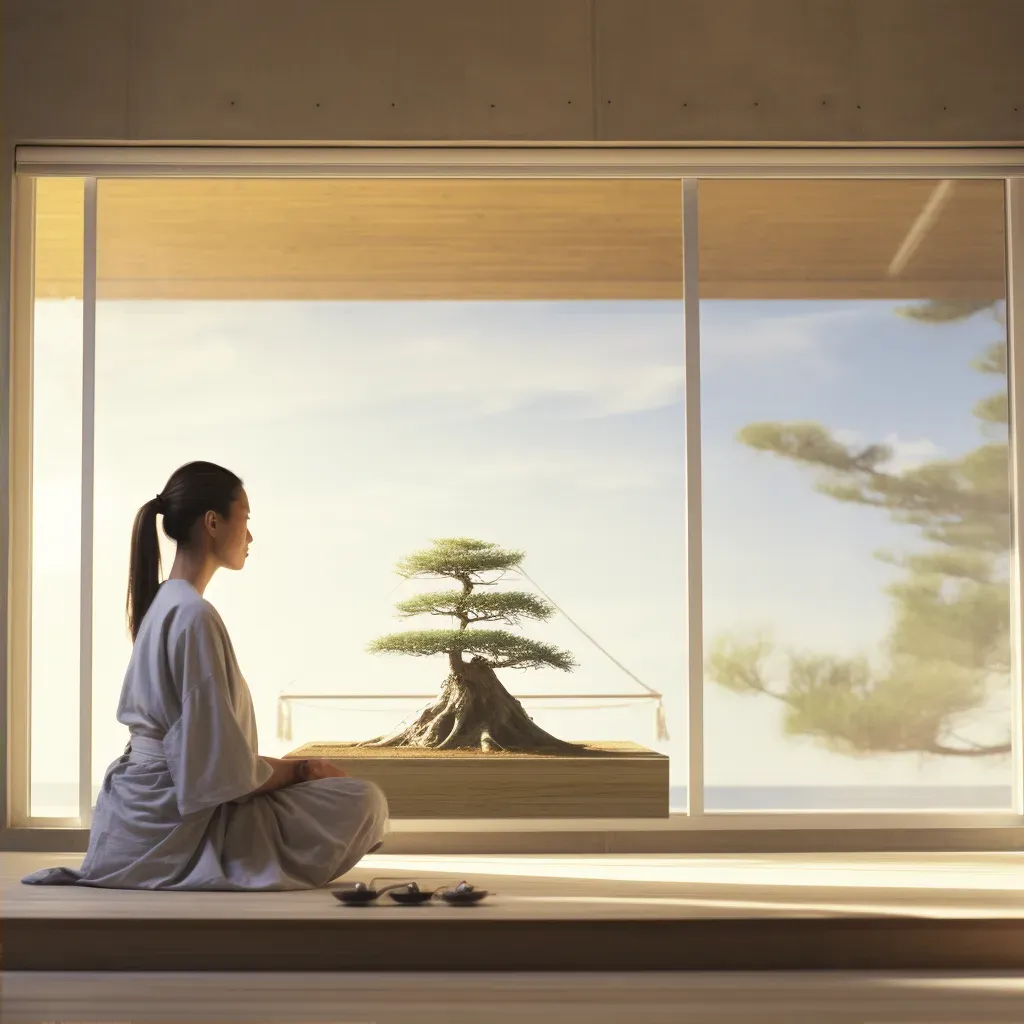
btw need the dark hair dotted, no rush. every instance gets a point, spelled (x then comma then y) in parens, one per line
(191, 492)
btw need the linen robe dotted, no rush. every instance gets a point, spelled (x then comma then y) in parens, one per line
(176, 810)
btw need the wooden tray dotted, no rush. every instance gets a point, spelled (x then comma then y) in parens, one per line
(613, 780)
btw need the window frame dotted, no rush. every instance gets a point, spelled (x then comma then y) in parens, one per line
(746, 831)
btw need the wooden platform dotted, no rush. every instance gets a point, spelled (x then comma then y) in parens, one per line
(576, 914)
(821, 997)
(613, 780)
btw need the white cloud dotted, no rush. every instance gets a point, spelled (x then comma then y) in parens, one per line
(746, 340)
(579, 470)
(275, 359)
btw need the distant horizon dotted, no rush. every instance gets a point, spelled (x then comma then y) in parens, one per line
(61, 799)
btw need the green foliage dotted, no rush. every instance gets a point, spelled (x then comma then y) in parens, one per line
(507, 607)
(944, 311)
(949, 647)
(499, 648)
(473, 563)
(840, 703)
(458, 558)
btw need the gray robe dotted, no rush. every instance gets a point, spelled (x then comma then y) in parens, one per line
(175, 810)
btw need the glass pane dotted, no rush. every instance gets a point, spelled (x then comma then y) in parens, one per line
(56, 495)
(386, 363)
(856, 495)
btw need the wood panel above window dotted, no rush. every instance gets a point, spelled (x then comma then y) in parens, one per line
(321, 239)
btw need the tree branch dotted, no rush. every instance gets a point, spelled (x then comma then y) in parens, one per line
(975, 751)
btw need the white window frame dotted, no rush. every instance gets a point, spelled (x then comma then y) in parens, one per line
(752, 830)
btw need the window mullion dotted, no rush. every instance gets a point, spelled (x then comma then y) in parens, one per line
(694, 553)
(1015, 381)
(88, 488)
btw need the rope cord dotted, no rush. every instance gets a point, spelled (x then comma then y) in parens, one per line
(615, 661)
(545, 702)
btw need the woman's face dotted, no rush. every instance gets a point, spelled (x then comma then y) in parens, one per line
(231, 537)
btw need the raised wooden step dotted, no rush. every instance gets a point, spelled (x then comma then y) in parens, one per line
(837, 912)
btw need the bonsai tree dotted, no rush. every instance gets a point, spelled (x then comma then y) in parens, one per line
(949, 647)
(473, 710)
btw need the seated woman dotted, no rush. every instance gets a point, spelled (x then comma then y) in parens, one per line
(191, 804)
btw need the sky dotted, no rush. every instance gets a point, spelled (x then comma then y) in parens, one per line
(364, 430)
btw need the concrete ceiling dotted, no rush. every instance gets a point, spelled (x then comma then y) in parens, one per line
(526, 239)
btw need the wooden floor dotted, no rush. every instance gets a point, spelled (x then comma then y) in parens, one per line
(950, 912)
(678, 998)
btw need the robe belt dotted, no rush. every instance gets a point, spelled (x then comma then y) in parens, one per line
(144, 748)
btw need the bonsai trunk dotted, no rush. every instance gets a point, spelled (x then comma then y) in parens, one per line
(475, 712)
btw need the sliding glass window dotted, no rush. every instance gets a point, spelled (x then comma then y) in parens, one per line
(770, 527)
(386, 363)
(857, 528)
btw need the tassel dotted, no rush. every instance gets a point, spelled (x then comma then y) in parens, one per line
(660, 724)
(284, 719)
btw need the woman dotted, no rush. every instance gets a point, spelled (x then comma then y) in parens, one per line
(191, 804)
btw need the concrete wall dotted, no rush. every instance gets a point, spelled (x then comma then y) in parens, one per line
(584, 70)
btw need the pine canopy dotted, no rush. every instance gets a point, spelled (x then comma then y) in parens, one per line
(474, 564)
(499, 648)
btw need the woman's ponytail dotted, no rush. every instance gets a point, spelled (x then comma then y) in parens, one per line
(192, 491)
(144, 567)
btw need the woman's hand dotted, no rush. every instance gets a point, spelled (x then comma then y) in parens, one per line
(320, 768)
(289, 772)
